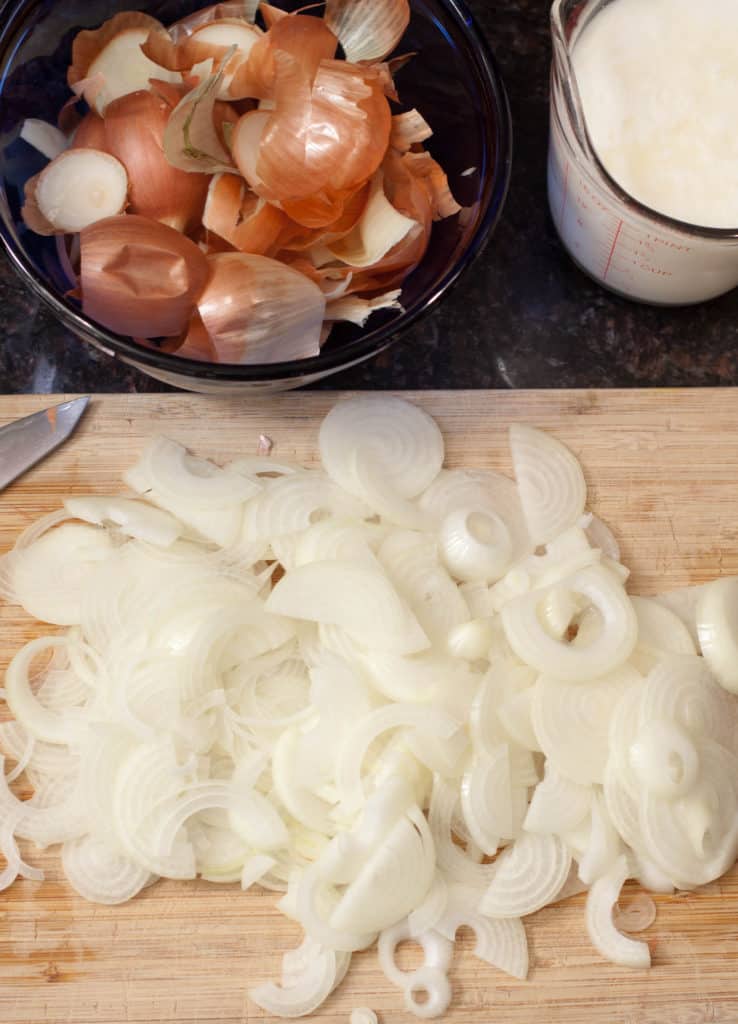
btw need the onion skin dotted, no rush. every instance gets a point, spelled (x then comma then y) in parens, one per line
(90, 134)
(32, 216)
(139, 277)
(325, 137)
(246, 222)
(257, 310)
(134, 129)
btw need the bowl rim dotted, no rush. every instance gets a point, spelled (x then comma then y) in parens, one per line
(367, 345)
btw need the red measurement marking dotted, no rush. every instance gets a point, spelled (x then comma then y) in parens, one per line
(566, 194)
(612, 250)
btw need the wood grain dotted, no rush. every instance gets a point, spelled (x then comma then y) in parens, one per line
(661, 467)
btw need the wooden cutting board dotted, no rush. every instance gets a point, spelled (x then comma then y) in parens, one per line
(661, 468)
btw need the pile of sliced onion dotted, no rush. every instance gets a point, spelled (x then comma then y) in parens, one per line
(365, 687)
(282, 169)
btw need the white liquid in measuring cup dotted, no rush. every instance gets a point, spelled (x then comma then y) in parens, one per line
(658, 81)
(659, 86)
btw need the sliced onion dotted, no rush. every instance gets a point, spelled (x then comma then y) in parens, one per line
(393, 882)
(368, 30)
(604, 845)
(79, 188)
(618, 636)
(550, 480)
(487, 800)
(139, 277)
(558, 805)
(290, 504)
(572, 722)
(718, 634)
(112, 57)
(437, 952)
(44, 137)
(135, 518)
(452, 860)
(411, 561)
(606, 939)
(307, 991)
(403, 439)
(359, 738)
(501, 943)
(482, 491)
(427, 914)
(48, 576)
(100, 873)
(528, 875)
(374, 615)
(257, 310)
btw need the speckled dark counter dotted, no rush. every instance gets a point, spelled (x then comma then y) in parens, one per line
(524, 317)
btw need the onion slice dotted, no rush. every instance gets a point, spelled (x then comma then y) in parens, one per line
(528, 876)
(44, 137)
(79, 188)
(307, 990)
(401, 437)
(113, 54)
(605, 937)
(550, 480)
(716, 627)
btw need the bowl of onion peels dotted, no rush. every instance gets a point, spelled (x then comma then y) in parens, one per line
(247, 195)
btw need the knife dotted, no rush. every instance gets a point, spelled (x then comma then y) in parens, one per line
(26, 442)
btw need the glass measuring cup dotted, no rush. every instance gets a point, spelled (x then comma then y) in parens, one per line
(624, 245)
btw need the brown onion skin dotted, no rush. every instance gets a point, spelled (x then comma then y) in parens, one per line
(90, 133)
(139, 277)
(134, 130)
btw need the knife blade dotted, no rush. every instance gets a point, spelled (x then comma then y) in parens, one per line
(26, 442)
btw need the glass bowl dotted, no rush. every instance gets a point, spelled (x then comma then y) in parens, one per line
(454, 82)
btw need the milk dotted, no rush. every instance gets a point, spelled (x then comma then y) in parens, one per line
(658, 81)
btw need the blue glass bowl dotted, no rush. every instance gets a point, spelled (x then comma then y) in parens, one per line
(453, 81)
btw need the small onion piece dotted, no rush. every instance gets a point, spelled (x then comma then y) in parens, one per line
(605, 937)
(139, 277)
(108, 62)
(79, 188)
(550, 480)
(46, 138)
(476, 545)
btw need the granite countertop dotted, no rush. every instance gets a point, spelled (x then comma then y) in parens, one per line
(524, 317)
